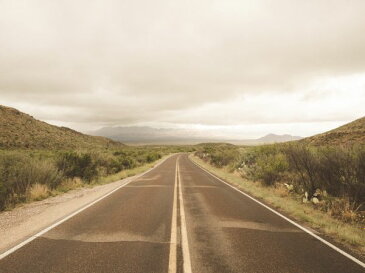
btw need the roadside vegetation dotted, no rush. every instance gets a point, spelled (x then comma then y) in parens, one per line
(31, 175)
(321, 185)
(38, 160)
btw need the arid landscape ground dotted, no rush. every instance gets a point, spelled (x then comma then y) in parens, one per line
(317, 181)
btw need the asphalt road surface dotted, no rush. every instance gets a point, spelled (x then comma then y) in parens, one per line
(177, 218)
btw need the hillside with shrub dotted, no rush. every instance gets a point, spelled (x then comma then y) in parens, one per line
(21, 131)
(348, 134)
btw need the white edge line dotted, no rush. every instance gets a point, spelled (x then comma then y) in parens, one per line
(40, 233)
(286, 218)
(173, 239)
(184, 233)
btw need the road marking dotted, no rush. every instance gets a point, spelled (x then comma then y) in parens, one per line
(184, 234)
(173, 238)
(131, 179)
(286, 218)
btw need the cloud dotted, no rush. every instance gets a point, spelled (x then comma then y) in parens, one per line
(90, 63)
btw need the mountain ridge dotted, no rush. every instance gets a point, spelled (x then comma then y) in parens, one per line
(347, 134)
(20, 130)
(150, 135)
(279, 138)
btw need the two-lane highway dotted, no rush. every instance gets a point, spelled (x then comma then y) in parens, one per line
(177, 218)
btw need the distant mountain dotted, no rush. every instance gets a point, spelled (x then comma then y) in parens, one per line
(351, 133)
(149, 135)
(20, 130)
(270, 138)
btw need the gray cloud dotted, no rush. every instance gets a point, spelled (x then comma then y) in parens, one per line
(125, 62)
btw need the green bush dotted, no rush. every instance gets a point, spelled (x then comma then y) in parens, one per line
(19, 172)
(271, 167)
(151, 157)
(338, 170)
(126, 163)
(219, 155)
(303, 161)
(82, 165)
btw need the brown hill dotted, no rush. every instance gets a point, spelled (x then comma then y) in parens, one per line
(348, 134)
(19, 130)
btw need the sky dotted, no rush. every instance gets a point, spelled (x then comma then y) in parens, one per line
(240, 68)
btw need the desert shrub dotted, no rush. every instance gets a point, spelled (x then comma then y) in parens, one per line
(271, 167)
(304, 162)
(89, 166)
(106, 164)
(82, 165)
(127, 163)
(264, 163)
(132, 158)
(219, 155)
(122, 162)
(151, 157)
(338, 170)
(19, 172)
(245, 163)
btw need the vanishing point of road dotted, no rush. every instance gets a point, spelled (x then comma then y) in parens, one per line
(176, 218)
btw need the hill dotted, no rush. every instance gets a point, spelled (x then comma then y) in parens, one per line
(351, 133)
(19, 130)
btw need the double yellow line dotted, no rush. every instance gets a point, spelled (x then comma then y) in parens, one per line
(184, 234)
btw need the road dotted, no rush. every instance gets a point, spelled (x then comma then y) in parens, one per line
(176, 218)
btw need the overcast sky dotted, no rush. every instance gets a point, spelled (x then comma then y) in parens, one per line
(245, 68)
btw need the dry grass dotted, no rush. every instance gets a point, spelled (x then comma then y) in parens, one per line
(350, 235)
(38, 192)
(70, 184)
